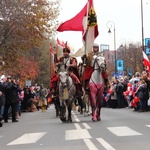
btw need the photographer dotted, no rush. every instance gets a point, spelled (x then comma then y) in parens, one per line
(10, 100)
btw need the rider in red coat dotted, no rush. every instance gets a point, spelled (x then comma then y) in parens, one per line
(66, 62)
(88, 69)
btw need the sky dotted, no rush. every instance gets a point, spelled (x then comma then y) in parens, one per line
(125, 15)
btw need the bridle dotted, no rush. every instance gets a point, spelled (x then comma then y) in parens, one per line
(65, 84)
(100, 68)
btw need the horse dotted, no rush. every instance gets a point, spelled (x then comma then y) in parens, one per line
(96, 86)
(66, 96)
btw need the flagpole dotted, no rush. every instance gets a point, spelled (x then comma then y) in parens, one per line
(85, 48)
(86, 32)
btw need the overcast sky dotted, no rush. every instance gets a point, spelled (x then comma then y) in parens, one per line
(126, 15)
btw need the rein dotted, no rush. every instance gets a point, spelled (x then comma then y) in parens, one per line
(67, 82)
(95, 62)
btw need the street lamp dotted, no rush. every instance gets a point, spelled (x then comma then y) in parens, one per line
(123, 42)
(110, 25)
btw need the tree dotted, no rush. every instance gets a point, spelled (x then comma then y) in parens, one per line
(24, 25)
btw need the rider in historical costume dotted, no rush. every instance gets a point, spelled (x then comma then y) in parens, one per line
(66, 62)
(88, 69)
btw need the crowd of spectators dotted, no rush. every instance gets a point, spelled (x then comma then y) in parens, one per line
(14, 99)
(131, 93)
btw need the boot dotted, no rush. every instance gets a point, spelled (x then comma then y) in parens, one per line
(17, 115)
(42, 108)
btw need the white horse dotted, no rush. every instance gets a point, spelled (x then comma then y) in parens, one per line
(66, 96)
(96, 85)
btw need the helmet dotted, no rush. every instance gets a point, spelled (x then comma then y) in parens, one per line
(66, 50)
(95, 45)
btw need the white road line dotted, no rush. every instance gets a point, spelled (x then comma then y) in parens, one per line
(106, 145)
(123, 131)
(90, 145)
(27, 138)
(76, 118)
(77, 134)
(86, 126)
(148, 126)
(77, 126)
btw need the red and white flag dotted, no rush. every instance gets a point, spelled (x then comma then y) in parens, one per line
(60, 43)
(51, 49)
(85, 21)
(146, 62)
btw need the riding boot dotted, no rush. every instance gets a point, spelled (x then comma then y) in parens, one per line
(17, 115)
(42, 108)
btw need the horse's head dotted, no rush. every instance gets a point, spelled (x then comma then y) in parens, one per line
(98, 63)
(63, 77)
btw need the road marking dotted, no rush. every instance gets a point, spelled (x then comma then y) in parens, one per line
(106, 145)
(77, 134)
(90, 145)
(27, 138)
(86, 126)
(123, 131)
(77, 126)
(148, 126)
(76, 118)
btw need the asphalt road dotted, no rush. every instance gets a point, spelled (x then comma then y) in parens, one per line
(119, 129)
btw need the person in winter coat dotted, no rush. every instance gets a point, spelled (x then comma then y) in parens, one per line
(42, 98)
(142, 94)
(119, 91)
(10, 100)
(3, 86)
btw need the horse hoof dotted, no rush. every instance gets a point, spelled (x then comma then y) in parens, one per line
(1, 124)
(98, 119)
(93, 119)
(63, 119)
(69, 121)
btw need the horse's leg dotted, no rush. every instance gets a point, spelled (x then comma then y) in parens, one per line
(98, 112)
(62, 112)
(57, 106)
(99, 100)
(69, 107)
(93, 91)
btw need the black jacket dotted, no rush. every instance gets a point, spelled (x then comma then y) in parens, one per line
(142, 92)
(11, 93)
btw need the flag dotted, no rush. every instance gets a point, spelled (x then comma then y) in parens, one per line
(51, 49)
(85, 21)
(60, 43)
(146, 62)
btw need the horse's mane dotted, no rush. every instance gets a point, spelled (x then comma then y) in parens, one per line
(62, 70)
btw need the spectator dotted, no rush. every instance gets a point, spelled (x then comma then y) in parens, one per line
(42, 98)
(119, 91)
(10, 100)
(141, 93)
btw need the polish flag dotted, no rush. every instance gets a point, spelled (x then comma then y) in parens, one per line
(146, 62)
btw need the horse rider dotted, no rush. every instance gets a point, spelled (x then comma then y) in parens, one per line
(88, 69)
(69, 63)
